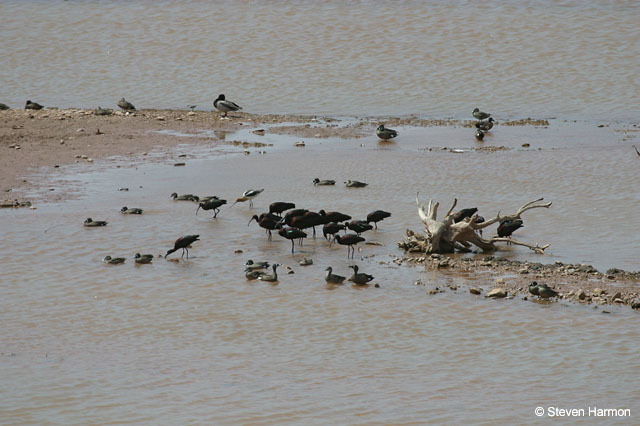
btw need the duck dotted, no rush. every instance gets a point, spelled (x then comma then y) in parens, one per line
(33, 105)
(4, 107)
(325, 182)
(248, 195)
(479, 134)
(213, 203)
(223, 105)
(377, 216)
(113, 260)
(93, 223)
(250, 265)
(127, 106)
(143, 258)
(332, 278)
(480, 115)
(359, 278)
(183, 243)
(185, 197)
(546, 292)
(102, 111)
(355, 184)
(384, 133)
(533, 288)
(270, 277)
(253, 274)
(485, 126)
(132, 210)
(306, 262)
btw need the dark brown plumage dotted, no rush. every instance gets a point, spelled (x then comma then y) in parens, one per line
(349, 240)
(183, 243)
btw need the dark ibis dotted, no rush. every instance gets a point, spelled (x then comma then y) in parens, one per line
(211, 204)
(292, 234)
(325, 182)
(334, 216)
(248, 195)
(359, 226)
(461, 215)
(349, 240)
(288, 217)
(377, 216)
(332, 278)
(480, 115)
(359, 278)
(355, 184)
(223, 105)
(266, 223)
(93, 223)
(280, 206)
(183, 243)
(33, 105)
(384, 133)
(508, 227)
(127, 106)
(331, 229)
(307, 220)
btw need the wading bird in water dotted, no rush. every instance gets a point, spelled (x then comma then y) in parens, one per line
(183, 243)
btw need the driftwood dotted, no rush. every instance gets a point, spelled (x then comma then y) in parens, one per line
(445, 236)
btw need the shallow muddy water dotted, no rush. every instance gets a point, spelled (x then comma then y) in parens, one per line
(193, 342)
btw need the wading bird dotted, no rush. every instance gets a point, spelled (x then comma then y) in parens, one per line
(377, 216)
(248, 195)
(349, 240)
(211, 204)
(183, 243)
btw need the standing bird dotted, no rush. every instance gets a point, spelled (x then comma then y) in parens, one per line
(480, 115)
(384, 133)
(331, 229)
(280, 206)
(211, 204)
(332, 278)
(359, 226)
(292, 234)
(127, 106)
(248, 195)
(485, 126)
(293, 213)
(326, 182)
(270, 277)
(143, 259)
(359, 278)
(93, 223)
(461, 215)
(377, 216)
(225, 106)
(349, 240)
(355, 184)
(334, 216)
(183, 243)
(267, 223)
(33, 105)
(479, 134)
(132, 210)
(508, 227)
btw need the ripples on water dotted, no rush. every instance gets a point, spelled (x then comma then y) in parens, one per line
(439, 59)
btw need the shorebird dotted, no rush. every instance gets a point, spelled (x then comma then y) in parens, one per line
(143, 258)
(355, 184)
(485, 126)
(270, 277)
(221, 104)
(461, 215)
(334, 216)
(280, 206)
(292, 234)
(377, 216)
(185, 197)
(326, 182)
(113, 260)
(479, 134)
(266, 223)
(127, 106)
(211, 204)
(183, 243)
(359, 278)
(33, 105)
(293, 213)
(332, 278)
(132, 210)
(248, 195)
(359, 226)
(332, 228)
(480, 115)
(508, 227)
(384, 133)
(349, 240)
(93, 223)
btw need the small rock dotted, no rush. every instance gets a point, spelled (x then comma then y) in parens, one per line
(582, 295)
(299, 144)
(191, 113)
(453, 287)
(419, 282)
(598, 292)
(618, 295)
(497, 293)
(90, 160)
(160, 118)
(80, 130)
(84, 157)
(431, 292)
(376, 285)
(179, 164)
(618, 300)
(474, 290)
(259, 132)
(443, 263)
(500, 281)
(523, 271)
(526, 145)
(238, 251)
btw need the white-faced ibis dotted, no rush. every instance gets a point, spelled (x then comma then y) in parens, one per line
(480, 115)
(332, 278)
(292, 234)
(127, 106)
(349, 240)
(251, 265)
(377, 216)
(280, 206)
(384, 133)
(325, 182)
(307, 220)
(143, 259)
(185, 197)
(33, 105)
(273, 277)
(113, 260)
(355, 184)
(461, 215)
(223, 105)
(183, 243)
(359, 226)
(248, 195)
(479, 134)
(334, 216)
(359, 278)
(212, 204)
(507, 227)
(266, 223)
(288, 217)
(485, 126)
(93, 223)
(131, 210)
(331, 229)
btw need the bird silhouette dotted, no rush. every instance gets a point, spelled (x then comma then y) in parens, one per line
(183, 243)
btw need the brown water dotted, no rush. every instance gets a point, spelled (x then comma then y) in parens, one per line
(195, 343)
(439, 58)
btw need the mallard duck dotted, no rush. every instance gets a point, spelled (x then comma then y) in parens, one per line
(4, 107)
(183, 243)
(325, 182)
(221, 104)
(132, 210)
(143, 258)
(127, 106)
(348, 240)
(270, 277)
(479, 134)
(93, 223)
(211, 204)
(185, 197)
(384, 133)
(306, 262)
(33, 105)
(102, 111)
(377, 216)
(113, 260)
(332, 278)
(485, 126)
(248, 195)
(359, 278)
(355, 184)
(480, 115)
